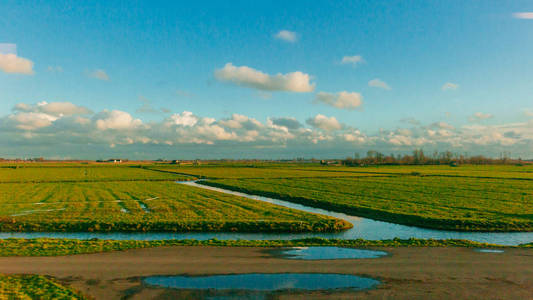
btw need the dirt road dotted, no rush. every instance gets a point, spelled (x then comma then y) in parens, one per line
(408, 273)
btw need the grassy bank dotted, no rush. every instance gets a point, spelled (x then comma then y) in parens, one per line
(56, 247)
(35, 287)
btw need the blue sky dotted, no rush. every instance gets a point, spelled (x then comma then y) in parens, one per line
(110, 56)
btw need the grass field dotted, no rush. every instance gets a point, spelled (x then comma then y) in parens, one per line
(144, 206)
(77, 197)
(27, 287)
(76, 173)
(461, 203)
(275, 171)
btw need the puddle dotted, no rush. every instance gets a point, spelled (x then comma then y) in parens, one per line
(489, 250)
(312, 253)
(265, 282)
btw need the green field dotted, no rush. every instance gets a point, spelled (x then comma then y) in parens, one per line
(261, 171)
(76, 173)
(27, 287)
(460, 203)
(91, 197)
(144, 206)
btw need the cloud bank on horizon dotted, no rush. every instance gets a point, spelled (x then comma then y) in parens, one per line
(69, 126)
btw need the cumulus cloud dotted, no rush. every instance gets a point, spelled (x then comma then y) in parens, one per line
(116, 119)
(523, 15)
(287, 36)
(57, 109)
(32, 120)
(342, 100)
(441, 125)
(99, 74)
(67, 127)
(323, 122)
(186, 118)
(378, 83)
(353, 60)
(480, 116)
(450, 86)
(287, 122)
(11, 63)
(238, 121)
(249, 77)
(43, 114)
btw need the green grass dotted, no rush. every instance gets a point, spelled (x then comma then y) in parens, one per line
(261, 171)
(468, 197)
(27, 287)
(81, 173)
(145, 206)
(457, 203)
(59, 247)
(475, 171)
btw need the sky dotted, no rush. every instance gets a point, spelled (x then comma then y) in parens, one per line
(264, 79)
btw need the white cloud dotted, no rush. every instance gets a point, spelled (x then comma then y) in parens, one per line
(57, 109)
(99, 74)
(32, 120)
(246, 76)
(450, 86)
(342, 100)
(116, 119)
(238, 121)
(186, 118)
(323, 122)
(378, 83)
(44, 114)
(441, 125)
(480, 116)
(354, 60)
(523, 15)
(11, 63)
(286, 35)
(64, 129)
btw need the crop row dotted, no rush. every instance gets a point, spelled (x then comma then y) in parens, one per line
(145, 206)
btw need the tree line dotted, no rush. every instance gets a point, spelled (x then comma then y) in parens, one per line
(418, 157)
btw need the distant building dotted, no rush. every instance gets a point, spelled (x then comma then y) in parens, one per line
(115, 160)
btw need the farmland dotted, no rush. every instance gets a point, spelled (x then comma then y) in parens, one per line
(457, 203)
(260, 171)
(78, 197)
(144, 206)
(77, 173)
